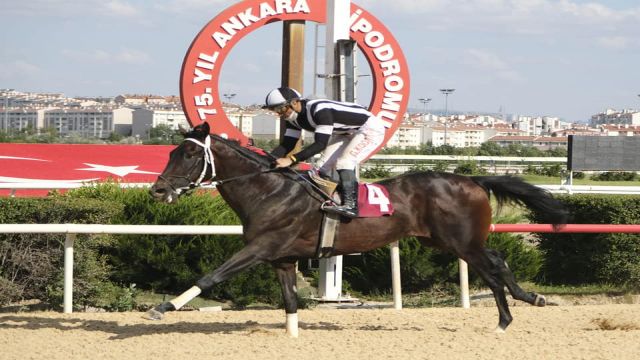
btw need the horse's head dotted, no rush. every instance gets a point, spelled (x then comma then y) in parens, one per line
(189, 164)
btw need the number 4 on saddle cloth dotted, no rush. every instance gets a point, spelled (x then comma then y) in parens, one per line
(373, 199)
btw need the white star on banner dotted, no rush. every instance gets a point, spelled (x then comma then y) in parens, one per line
(116, 170)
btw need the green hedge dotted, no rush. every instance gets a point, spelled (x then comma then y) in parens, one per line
(31, 265)
(594, 258)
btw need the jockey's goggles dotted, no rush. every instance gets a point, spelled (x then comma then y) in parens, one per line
(280, 109)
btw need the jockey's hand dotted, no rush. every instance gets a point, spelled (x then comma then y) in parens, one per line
(283, 162)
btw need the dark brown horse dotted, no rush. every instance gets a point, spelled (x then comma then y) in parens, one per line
(281, 217)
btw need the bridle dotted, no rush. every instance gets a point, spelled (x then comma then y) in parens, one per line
(208, 162)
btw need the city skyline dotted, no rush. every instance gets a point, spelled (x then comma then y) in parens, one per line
(570, 59)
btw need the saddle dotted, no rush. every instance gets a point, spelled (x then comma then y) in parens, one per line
(373, 201)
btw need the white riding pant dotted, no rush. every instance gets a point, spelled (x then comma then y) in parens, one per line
(345, 151)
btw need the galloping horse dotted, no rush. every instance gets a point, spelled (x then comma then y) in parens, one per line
(281, 217)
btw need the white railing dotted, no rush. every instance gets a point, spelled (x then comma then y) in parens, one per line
(65, 185)
(591, 189)
(71, 230)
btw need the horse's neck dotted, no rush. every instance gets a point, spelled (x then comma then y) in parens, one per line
(229, 163)
(240, 194)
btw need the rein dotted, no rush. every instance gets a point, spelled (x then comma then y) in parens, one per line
(223, 181)
(209, 161)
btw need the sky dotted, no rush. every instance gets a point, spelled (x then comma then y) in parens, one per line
(565, 58)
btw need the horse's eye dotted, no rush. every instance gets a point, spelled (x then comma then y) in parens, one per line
(188, 156)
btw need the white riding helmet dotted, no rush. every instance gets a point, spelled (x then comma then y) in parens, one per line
(280, 96)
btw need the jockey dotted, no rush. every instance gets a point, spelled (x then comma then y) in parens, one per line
(345, 133)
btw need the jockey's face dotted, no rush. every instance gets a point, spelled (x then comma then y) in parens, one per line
(285, 110)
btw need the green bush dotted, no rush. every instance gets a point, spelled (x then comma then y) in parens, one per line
(551, 170)
(32, 266)
(469, 168)
(615, 176)
(420, 268)
(377, 171)
(594, 258)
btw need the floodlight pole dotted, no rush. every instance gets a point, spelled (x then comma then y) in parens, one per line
(446, 93)
(425, 102)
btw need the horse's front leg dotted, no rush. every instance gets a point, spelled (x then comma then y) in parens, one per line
(286, 272)
(243, 259)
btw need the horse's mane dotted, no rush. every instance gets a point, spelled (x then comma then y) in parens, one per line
(255, 156)
(263, 160)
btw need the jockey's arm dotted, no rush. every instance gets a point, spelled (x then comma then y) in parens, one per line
(323, 131)
(289, 141)
(321, 138)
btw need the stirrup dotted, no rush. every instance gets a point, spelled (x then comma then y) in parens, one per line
(342, 210)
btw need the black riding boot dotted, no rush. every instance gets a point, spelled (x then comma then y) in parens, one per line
(349, 195)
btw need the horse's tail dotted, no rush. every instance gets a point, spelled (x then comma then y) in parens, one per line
(509, 189)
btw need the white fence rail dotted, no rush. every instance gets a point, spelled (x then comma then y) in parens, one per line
(71, 230)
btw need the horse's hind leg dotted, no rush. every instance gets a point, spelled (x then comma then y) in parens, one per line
(490, 273)
(507, 277)
(286, 272)
(241, 260)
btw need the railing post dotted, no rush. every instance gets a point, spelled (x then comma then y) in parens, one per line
(395, 276)
(463, 269)
(68, 273)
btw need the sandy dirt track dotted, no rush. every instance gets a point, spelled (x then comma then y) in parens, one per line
(554, 332)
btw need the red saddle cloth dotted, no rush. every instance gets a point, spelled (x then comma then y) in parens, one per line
(373, 201)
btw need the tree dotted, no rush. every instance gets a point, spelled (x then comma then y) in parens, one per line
(164, 135)
(489, 148)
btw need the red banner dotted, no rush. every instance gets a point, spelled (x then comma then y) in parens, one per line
(80, 163)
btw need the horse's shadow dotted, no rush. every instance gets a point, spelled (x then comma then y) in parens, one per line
(125, 331)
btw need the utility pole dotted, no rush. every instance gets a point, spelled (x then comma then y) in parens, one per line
(446, 93)
(229, 96)
(425, 102)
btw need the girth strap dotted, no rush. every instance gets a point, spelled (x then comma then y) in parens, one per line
(328, 234)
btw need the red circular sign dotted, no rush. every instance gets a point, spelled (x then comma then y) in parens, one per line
(201, 67)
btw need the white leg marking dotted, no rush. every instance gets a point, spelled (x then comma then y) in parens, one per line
(185, 297)
(292, 325)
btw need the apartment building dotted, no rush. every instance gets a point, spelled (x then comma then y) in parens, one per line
(19, 119)
(89, 122)
(539, 125)
(612, 116)
(406, 136)
(540, 142)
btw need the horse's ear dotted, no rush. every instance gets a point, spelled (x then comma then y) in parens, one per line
(203, 128)
(182, 130)
(206, 128)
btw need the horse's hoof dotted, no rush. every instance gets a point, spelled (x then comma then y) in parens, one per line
(540, 301)
(153, 314)
(499, 330)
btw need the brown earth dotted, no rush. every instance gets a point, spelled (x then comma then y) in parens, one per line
(610, 331)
